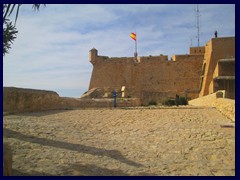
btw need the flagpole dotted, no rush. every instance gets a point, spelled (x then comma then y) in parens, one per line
(134, 37)
(136, 46)
(135, 54)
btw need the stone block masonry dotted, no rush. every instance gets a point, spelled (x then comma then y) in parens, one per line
(19, 100)
(215, 50)
(217, 100)
(150, 76)
(156, 78)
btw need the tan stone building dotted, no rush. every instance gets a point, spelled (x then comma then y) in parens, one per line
(218, 70)
(203, 71)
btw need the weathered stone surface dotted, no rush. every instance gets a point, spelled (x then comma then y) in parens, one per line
(19, 100)
(93, 93)
(181, 141)
(224, 105)
(153, 77)
(215, 50)
(156, 77)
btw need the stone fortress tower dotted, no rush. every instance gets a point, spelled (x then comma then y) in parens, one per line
(204, 70)
(93, 55)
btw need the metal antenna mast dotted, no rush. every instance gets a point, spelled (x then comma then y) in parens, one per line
(198, 25)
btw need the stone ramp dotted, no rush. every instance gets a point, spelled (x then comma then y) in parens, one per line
(224, 105)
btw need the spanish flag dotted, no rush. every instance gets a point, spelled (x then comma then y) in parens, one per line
(133, 36)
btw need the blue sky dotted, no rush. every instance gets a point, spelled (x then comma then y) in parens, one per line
(52, 46)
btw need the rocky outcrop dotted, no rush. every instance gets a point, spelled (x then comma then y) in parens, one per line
(93, 93)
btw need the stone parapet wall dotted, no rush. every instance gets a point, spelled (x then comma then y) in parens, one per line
(197, 50)
(224, 105)
(153, 58)
(224, 67)
(98, 103)
(22, 100)
(227, 67)
(158, 97)
(19, 100)
(187, 57)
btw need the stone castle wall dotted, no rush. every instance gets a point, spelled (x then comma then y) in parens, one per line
(156, 77)
(152, 78)
(203, 71)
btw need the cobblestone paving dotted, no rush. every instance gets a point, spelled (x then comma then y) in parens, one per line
(166, 142)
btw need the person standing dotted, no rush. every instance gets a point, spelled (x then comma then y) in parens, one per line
(177, 100)
(216, 34)
(115, 98)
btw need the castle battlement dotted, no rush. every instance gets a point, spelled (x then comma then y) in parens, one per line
(95, 58)
(156, 77)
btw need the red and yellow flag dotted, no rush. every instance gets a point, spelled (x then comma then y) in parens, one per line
(133, 36)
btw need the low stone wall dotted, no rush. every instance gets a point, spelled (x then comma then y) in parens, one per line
(224, 105)
(19, 100)
(103, 102)
(158, 97)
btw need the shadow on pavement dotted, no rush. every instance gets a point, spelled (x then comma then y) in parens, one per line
(114, 154)
(81, 170)
(93, 170)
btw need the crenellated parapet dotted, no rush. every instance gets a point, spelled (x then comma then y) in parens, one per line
(196, 53)
(157, 77)
(151, 76)
(200, 50)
